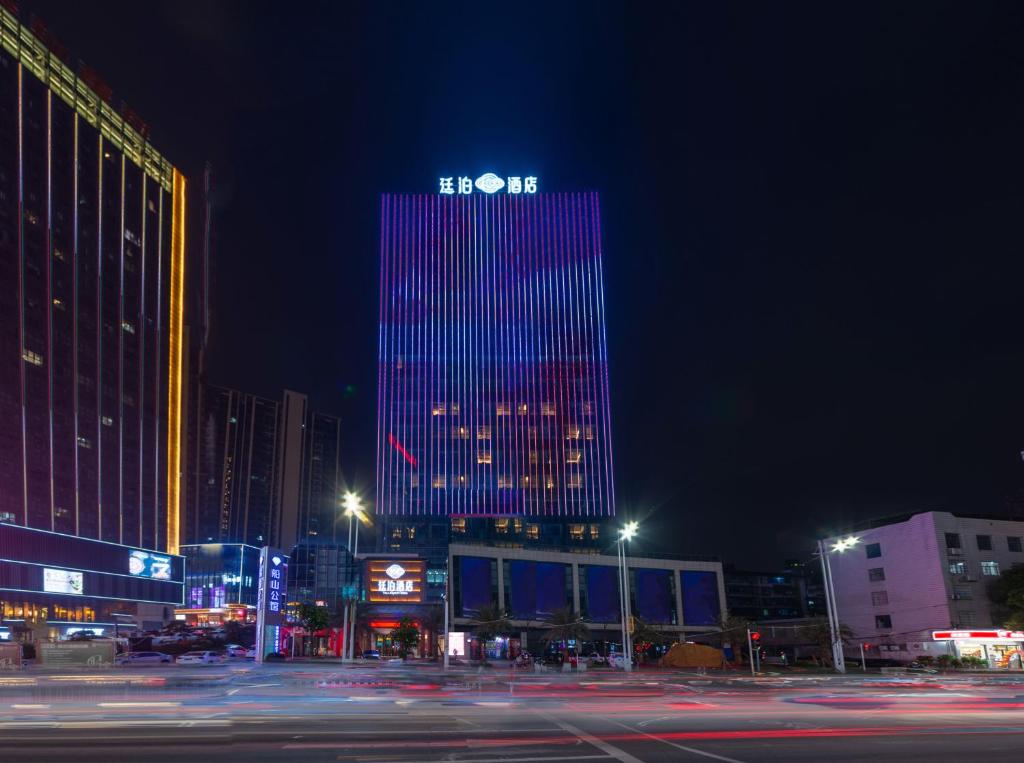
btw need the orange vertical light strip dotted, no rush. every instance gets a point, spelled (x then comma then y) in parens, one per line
(177, 308)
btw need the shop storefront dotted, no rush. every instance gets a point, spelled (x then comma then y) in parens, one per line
(1001, 649)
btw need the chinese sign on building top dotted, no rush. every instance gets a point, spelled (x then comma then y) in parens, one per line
(487, 183)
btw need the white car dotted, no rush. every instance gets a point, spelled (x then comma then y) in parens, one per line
(200, 658)
(142, 658)
(237, 650)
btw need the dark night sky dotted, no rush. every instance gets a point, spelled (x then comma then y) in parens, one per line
(812, 221)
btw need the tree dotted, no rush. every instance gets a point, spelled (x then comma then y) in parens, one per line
(564, 626)
(817, 632)
(645, 636)
(1007, 595)
(313, 618)
(488, 623)
(405, 636)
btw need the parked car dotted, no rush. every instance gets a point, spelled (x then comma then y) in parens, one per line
(142, 658)
(597, 660)
(920, 667)
(371, 654)
(169, 638)
(237, 650)
(200, 658)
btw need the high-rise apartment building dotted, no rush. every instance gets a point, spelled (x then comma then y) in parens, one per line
(263, 472)
(493, 367)
(92, 260)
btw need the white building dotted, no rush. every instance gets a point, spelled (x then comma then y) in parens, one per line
(913, 575)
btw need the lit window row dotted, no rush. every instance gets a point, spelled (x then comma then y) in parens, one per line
(505, 481)
(32, 357)
(443, 408)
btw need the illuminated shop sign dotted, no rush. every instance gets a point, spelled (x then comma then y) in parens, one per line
(487, 183)
(147, 565)
(62, 581)
(270, 600)
(392, 581)
(977, 635)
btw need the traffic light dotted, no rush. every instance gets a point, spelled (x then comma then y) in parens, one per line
(755, 636)
(866, 646)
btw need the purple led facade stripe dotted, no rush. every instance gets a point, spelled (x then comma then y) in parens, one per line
(493, 370)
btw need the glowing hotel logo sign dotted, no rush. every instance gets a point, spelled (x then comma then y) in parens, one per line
(487, 183)
(393, 581)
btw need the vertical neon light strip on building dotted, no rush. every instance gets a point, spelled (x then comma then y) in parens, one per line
(177, 308)
(492, 378)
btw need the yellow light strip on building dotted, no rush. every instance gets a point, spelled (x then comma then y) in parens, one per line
(38, 59)
(177, 308)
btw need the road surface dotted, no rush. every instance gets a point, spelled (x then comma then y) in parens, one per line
(313, 713)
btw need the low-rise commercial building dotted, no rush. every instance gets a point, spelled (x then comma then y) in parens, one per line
(909, 576)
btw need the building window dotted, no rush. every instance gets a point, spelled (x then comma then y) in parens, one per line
(454, 409)
(483, 457)
(547, 409)
(524, 481)
(595, 532)
(58, 303)
(128, 326)
(460, 433)
(576, 532)
(878, 598)
(439, 409)
(873, 550)
(459, 525)
(85, 442)
(414, 480)
(501, 526)
(876, 574)
(396, 532)
(574, 481)
(572, 456)
(587, 408)
(410, 532)
(461, 480)
(958, 568)
(532, 532)
(32, 357)
(952, 540)
(106, 421)
(534, 458)
(504, 482)
(967, 618)
(522, 409)
(588, 433)
(984, 542)
(503, 409)
(517, 523)
(437, 577)
(572, 432)
(439, 481)
(483, 433)
(1013, 544)
(962, 592)
(990, 568)
(883, 622)
(549, 482)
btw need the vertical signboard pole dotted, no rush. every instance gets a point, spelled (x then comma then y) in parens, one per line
(273, 582)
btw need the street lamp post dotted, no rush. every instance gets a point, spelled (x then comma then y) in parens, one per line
(625, 534)
(353, 508)
(835, 629)
(444, 598)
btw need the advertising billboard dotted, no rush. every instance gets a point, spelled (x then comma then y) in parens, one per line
(393, 581)
(149, 565)
(63, 654)
(270, 600)
(62, 581)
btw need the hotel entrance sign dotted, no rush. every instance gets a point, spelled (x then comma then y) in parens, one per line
(487, 183)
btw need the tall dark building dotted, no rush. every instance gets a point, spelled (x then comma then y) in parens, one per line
(265, 472)
(234, 483)
(92, 260)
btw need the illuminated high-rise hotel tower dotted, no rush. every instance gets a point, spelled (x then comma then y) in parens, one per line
(493, 365)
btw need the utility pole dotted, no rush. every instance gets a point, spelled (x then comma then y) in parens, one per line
(750, 653)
